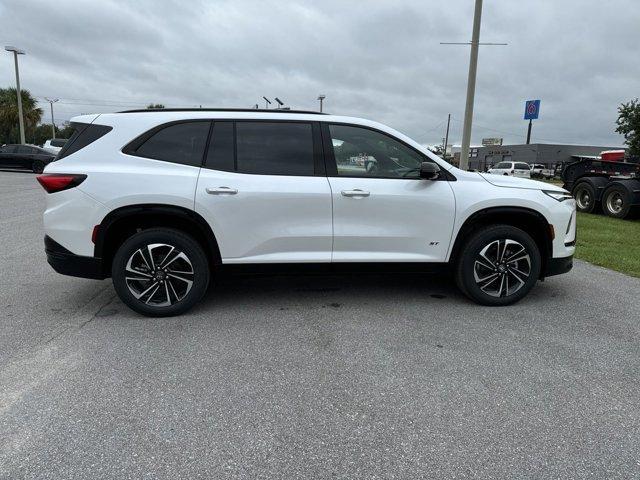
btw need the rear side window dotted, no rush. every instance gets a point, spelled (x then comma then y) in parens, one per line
(522, 166)
(262, 148)
(58, 142)
(503, 165)
(83, 134)
(277, 148)
(221, 154)
(182, 143)
(8, 149)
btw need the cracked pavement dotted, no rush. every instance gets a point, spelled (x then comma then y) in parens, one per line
(302, 377)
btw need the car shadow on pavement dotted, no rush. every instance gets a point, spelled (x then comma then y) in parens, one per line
(361, 289)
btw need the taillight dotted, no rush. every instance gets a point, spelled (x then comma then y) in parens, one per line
(56, 182)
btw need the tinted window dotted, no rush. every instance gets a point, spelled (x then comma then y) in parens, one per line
(25, 149)
(363, 152)
(57, 142)
(179, 143)
(8, 149)
(83, 135)
(522, 166)
(221, 149)
(278, 148)
(505, 165)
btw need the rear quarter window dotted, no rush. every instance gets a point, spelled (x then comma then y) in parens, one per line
(83, 134)
(182, 143)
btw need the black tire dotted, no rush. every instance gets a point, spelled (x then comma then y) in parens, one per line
(37, 166)
(153, 268)
(473, 277)
(616, 201)
(585, 196)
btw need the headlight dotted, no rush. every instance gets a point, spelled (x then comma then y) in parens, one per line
(559, 196)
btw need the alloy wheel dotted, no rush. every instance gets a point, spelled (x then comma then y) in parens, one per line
(502, 268)
(159, 275)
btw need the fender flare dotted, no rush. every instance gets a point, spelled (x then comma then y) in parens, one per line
(144, 212)
(516, 216)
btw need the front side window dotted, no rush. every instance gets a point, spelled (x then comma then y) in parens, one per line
(178, 143)
(274, 148)
(361, 152)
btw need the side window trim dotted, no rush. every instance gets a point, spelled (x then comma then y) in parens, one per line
(332, 166)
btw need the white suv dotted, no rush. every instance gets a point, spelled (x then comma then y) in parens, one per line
(161, 200)
(515, 169)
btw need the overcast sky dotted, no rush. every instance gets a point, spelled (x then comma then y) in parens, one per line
(376, 59)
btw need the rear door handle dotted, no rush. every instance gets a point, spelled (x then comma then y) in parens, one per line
(221, 191)
(356, 192)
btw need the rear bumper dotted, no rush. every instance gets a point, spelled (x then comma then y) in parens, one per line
(67, 263)
(558, 266)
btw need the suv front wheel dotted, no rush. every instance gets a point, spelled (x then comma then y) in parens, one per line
(498, 265)
(160, 272)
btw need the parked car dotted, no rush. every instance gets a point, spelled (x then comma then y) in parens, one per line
(514, 169)
(548, 173)
(536, 170)
(25, 157)
(160, 200)
(54, 145)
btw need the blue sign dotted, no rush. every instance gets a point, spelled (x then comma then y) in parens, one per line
(531, 109)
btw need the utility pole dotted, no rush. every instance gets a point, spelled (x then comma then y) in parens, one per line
(446, 137)
(16, 52)
(471, 83)
(321, 98)
(471, 88)
(53, 123)
(267, 102)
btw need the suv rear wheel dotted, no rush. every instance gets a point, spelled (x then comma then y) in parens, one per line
(498, 265)
(160, 272)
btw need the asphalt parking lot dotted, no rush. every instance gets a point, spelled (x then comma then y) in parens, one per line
(303, 377)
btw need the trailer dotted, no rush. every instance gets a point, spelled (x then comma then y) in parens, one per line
(608, 184)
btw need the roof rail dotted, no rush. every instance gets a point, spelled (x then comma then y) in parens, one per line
(262, 110)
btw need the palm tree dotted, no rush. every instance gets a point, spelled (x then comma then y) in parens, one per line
(9, 129)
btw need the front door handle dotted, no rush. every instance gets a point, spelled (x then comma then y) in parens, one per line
(221, 191)
(356, 192)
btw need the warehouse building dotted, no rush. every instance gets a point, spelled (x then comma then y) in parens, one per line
(547, 154)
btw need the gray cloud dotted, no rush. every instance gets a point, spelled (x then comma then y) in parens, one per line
(379, 60)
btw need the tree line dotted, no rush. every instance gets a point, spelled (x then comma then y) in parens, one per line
(627, 123)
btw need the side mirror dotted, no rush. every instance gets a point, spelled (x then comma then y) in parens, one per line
(429, 171)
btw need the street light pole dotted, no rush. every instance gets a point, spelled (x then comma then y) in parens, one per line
(471, 87)
(321, 98)
(53, 123)
(17, 52)
(446, 137)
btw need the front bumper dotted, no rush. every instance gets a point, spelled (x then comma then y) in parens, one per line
(557, 266)
(67, 263)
